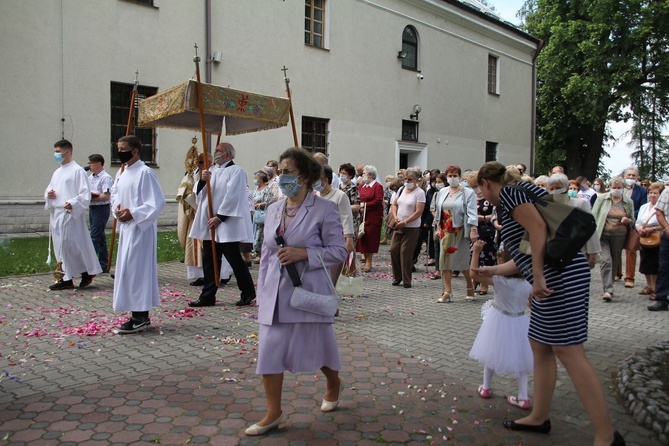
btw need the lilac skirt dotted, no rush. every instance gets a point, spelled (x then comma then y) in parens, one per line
(302, 347)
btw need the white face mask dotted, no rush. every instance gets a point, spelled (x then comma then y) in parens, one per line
(410, 185)
(477, 191)
(439, 186)
(630, 182)
(617, 192)
(561, 190)
(596, 187)
(454, 182)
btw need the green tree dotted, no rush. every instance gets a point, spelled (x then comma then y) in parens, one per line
(599, 58)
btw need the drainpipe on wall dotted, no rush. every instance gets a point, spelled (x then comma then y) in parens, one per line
(533, 132)
(207, 52)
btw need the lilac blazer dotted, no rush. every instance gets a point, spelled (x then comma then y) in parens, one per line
(317, 228)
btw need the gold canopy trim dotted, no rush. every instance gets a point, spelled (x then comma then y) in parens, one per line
(242, 112)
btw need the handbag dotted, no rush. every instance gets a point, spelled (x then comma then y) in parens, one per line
(259, 216)
(391, 221)
(312, 302)
(349, 284)
(361, 226)
(653, 239)
(569, 228)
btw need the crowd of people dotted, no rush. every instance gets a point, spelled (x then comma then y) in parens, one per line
(304, 222)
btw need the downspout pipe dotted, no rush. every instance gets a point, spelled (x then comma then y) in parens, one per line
(533, 131)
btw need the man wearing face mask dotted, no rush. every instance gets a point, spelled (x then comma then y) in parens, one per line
(639, 197)
(67, 197)
(137, 200)
(231, 222)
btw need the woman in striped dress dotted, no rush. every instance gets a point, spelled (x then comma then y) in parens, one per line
(559, 317)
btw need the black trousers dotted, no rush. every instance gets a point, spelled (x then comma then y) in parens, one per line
(241, 271)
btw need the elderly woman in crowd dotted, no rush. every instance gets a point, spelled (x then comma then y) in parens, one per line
(541, 181)
(457, 223)
(371, 207)
(614, 213)
(646, 224)
(559, 313)
(262, 198)
(407, 210)
(312, 242)
(346, 175)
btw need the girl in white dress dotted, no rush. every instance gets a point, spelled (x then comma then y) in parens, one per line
(502, 345)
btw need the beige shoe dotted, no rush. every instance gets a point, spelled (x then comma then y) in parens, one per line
(259, 430)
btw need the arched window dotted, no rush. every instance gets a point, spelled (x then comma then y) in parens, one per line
(410, 48)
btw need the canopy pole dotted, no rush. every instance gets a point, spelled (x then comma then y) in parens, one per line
(128, 131)
(200, 106)
(290, 106)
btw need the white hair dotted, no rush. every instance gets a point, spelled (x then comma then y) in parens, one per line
(557, 179)
(371, 171)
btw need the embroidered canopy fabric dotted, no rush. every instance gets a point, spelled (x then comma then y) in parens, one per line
(242, 112)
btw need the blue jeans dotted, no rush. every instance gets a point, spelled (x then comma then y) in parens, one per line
(98, 217)
(662, 285)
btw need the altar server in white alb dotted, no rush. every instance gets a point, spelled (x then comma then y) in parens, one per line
(137, 201)
(67, 197)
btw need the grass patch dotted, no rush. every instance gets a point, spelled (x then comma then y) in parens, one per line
(27, 255)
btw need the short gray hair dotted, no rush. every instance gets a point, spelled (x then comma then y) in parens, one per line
(413, 172)
(227, 148)
(616, 181)
(557, 179)
(636, 170)
(371, 170)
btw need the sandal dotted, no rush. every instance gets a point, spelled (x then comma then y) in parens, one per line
(445, 298)
(470, 297)
(485, 393)
(646, 291)
(523, 404)
(435, 277)
(483, 293)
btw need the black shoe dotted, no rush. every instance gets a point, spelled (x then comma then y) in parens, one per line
(86, 280)
(224, 281)
(245, 301)
(543, 428)
(407, 285)
(396, 282)
(660, 305)
(197, 282)
(201, 303)
(618, 439)
(134, 326)
(62, 285)
(455, 273)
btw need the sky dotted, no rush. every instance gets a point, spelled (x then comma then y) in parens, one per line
(619, 150)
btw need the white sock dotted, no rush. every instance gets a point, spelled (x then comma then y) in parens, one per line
(522, 386)
(487, 377)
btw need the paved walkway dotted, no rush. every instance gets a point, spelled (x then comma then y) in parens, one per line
(67, 379)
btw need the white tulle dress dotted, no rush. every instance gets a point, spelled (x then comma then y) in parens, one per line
(502, 343)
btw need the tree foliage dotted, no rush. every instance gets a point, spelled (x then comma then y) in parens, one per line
(601, 58)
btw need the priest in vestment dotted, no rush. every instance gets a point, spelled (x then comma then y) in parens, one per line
(137, 201)
(231, 224)
(67, 197)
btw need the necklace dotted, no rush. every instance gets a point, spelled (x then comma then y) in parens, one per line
(285, 212)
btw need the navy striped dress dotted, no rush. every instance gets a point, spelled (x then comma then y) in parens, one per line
(561, 319)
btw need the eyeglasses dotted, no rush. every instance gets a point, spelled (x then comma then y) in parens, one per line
(287, 171)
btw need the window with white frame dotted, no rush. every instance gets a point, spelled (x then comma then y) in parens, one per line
(314, 23)
(493, 74)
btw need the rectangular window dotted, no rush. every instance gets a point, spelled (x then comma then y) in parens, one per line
(490, 151)
(493, 71)
(409, 130)
(315, 134)
(314, 23)
(120, 107)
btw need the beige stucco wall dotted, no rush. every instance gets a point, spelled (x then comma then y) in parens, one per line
(59, 57)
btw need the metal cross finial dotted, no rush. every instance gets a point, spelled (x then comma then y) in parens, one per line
(285, 77)
(196, 58)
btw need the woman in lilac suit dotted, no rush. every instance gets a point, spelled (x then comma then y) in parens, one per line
(292, 339)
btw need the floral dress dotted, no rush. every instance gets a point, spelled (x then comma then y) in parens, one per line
(351, 192)
(487, 233)
(454, 253)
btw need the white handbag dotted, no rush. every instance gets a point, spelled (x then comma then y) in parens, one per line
(312, 302)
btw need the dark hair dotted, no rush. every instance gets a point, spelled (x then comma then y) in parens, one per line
(63, 144)
(262, 175)
(327, 173)
(306, 164)
(453, 168)
(395, 185)
(96, 158)
(133, 141)
(272, 163)
(443, 177)
(348, 168)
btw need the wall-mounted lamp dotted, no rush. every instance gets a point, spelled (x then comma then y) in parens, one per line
(401, 54)
(216, 58)
(416, 109)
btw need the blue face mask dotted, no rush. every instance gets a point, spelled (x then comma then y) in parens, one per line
(318, 186)
(289, 184)
(572, 193)
(58, 157)
(255, 182)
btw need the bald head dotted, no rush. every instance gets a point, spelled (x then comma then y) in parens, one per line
(226, 147)
(321, 158)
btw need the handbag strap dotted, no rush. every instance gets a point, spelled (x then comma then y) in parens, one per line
(334, 291)
(649, 218)
(535, 197)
